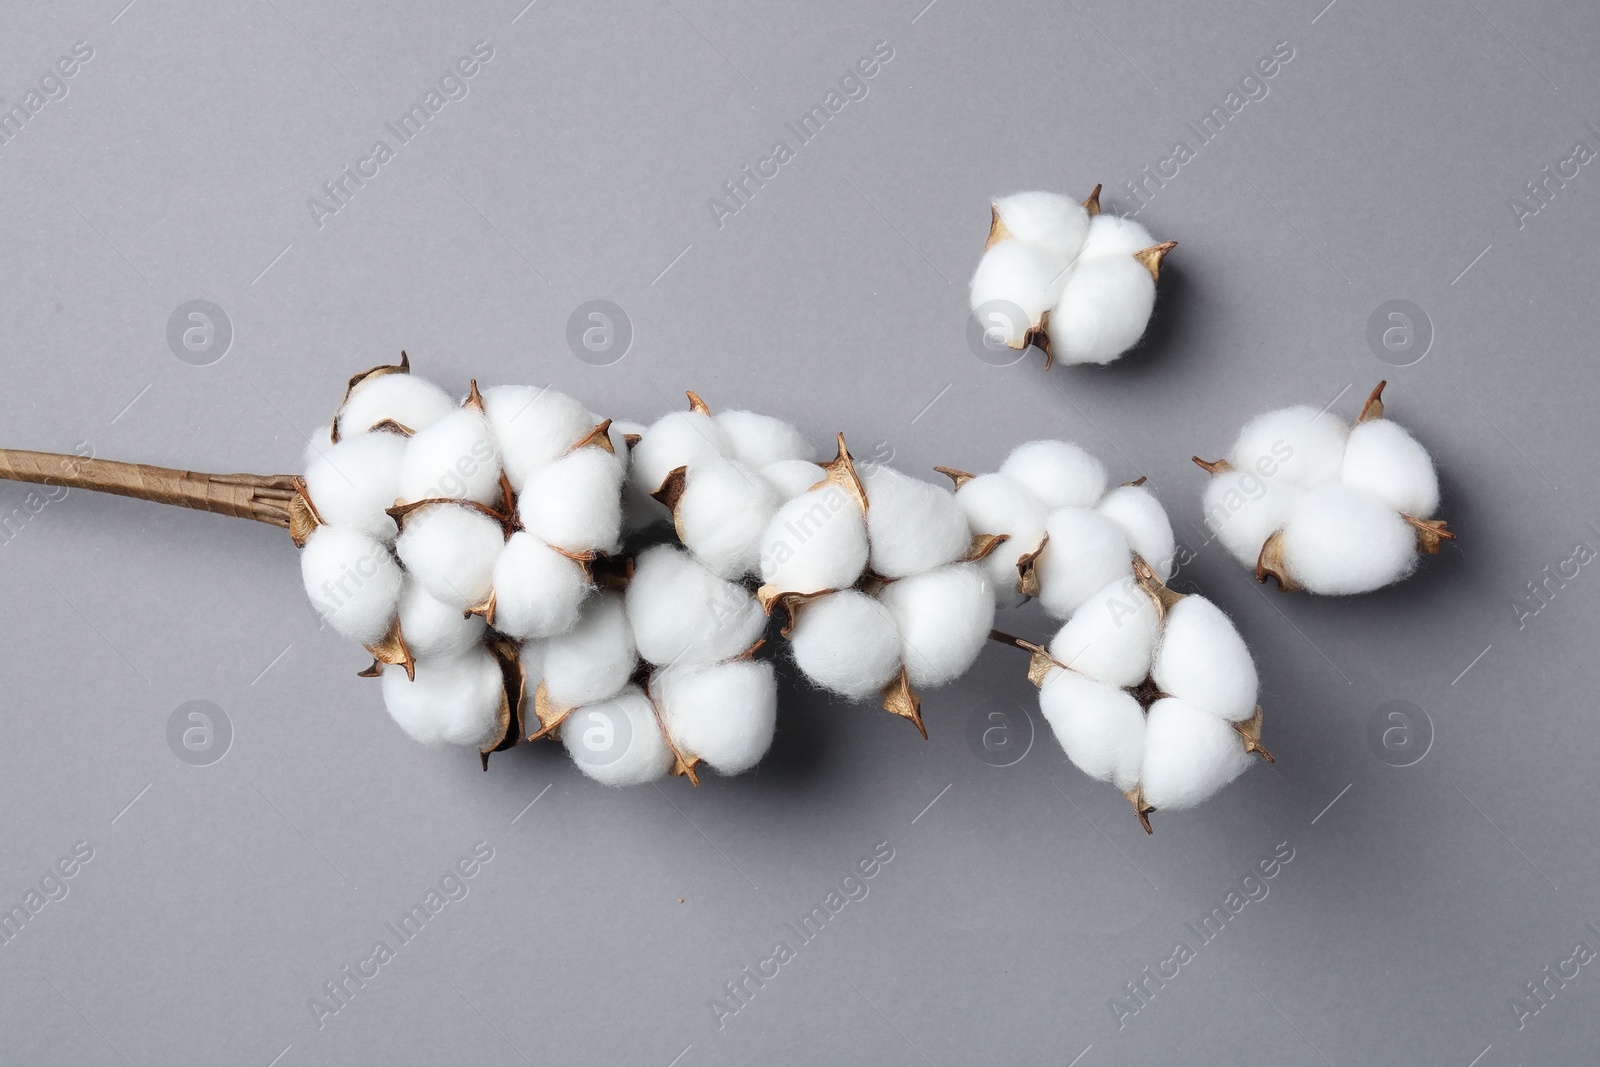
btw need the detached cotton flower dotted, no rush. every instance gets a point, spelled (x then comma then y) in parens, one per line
(1323, 506)
(1060, 275)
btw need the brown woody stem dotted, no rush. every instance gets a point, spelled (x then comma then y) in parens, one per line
(262, 497)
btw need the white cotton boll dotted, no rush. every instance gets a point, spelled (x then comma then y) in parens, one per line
(792, 477)
(1086, 553)
(639, 511)
(725, 507)
(575, 503)
(453, 701)
(1021, 275)
(1143, 519)
(1203, 660)
(672, 442)
(944, 617)
(1189, 754)
(533, 426)
(683, 614)
(816, 541)
(1099, 727)
(538, 592)
(434, 629)
(1382, 457)
(724, 713)
(618, 741)
(1298, 444)
(352, 580)
(912, 525)
(999, 504)
(317, 446)
(451, 549)
(1056, 223)
(1115, 236)
(1343, 540)
(1103, 310)
(593, 660)
(846, 642)
(1112, 636)
(761, 440)
(1058, 473)
(413, 402)
(454, 458)
(354, 482)
(1244, 509)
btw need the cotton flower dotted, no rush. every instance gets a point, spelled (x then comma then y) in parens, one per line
(1066, 535)
(1061, 275)
(1324, 506)
(1152, 691)
(881, 581)
(704, 472)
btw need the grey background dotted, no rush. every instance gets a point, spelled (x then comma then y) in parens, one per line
(1380, 166)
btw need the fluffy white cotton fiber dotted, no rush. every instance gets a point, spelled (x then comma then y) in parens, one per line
(1342, 540)
(682, 614)
(1112, 636)
(1022, 275)
(538, 591)
(725, 713)
(1203, 661)
(410, 401)
(1189, 754)
(355, 482)
(761, 440)
(816, 541)
(1142, 518)
(352, 581)
(912, 525)
(1103, 309)
(451, 549)
(534, 426)
(575, 503)
(593, 660)
(792, 477)
(944, 617)
(1383, 458)
(1244, 509)
(454, 458)
(1086, 553)
(1299, 444)
(1058, 224)
(1058, 473)
(452, 701)
(725, 507)
(999, 504)
(618, 741)
(671, 442)
(1341, 499)
(1115, 237)
(434, 629)
(1100, 727)
(847, 642)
